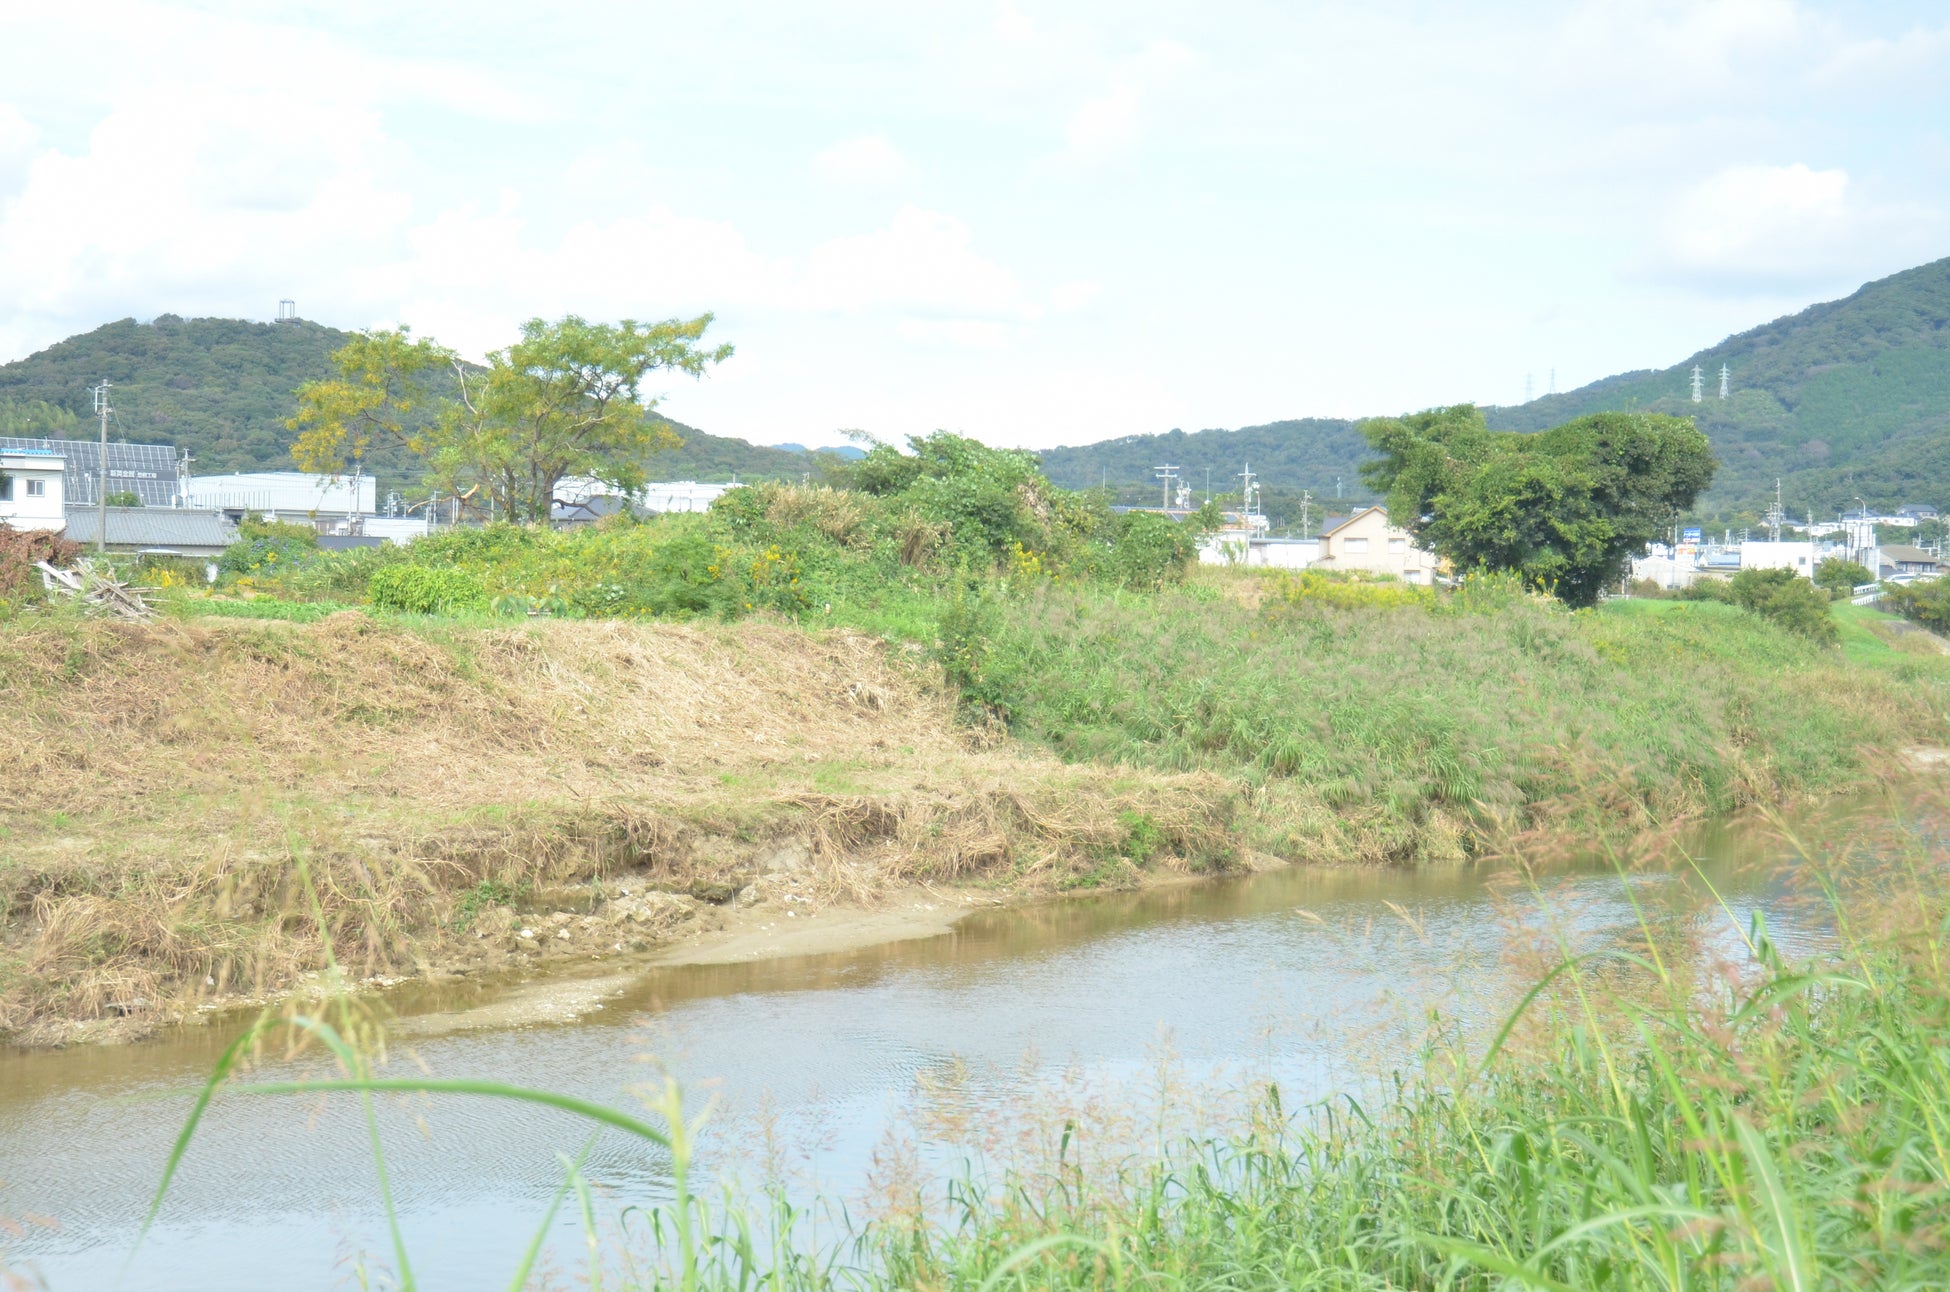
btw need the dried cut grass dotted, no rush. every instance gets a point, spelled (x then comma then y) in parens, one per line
(177, 791)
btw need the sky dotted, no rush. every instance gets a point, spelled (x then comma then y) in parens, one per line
(1034, 223)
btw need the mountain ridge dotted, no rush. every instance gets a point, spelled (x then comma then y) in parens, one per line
(222, 388)
(1847, 398)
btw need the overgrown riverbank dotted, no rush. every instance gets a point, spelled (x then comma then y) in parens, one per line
(176, 792)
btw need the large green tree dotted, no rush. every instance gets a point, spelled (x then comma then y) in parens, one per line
(1566, 508)
(565, 400)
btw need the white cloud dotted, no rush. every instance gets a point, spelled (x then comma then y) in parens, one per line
(1076, 295)
(870, 157)
(1114, 120)
(955, 334)
(17, 139)
(922, 262)
(1780, 225)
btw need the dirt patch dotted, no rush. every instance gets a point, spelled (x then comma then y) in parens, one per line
(207, 812)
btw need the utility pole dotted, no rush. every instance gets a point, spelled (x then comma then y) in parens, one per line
(101, 509)
(1208, 484)
(1167, 475)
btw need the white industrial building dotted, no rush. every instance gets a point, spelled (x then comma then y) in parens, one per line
(283, 495)
(1798, 557)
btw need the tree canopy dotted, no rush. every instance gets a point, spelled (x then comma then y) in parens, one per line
(565, 400)
(1565, 508)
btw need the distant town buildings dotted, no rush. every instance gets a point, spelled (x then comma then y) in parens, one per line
(1853, 537)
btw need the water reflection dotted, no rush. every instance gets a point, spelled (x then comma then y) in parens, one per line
(1318, 979)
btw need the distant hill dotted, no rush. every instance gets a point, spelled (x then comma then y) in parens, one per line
(1313, 455)
(1845, 399)
(222, 388)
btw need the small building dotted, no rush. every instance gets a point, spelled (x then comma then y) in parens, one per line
(1898, 559)
(1257, 551)
(1799, 557)
(157, 531)
(396, 529)
(1367, 543)
(581, 499)
(33, 489)
(1668, 571)
(1917, 511)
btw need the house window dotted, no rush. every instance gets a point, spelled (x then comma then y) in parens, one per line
(1398, 545)
(1355, 545)
(6, 488)
(37, 488)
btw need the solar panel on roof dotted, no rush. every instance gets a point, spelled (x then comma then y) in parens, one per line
(145, 470)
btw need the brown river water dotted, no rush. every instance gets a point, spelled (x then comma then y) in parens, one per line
(1315, 978)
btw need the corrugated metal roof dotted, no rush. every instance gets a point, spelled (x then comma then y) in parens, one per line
(152, 527)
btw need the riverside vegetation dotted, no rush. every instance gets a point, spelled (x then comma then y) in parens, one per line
(948, 671)
(1649, 1115)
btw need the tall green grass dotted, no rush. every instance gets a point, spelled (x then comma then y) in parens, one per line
(1486, 714)
(1646, 1118)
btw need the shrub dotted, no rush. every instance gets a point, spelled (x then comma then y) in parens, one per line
(1787, 599)
(1319, 588)
(267, 546)
(1708, 589)
(1842, 577)
(1927, 604)
(426, 591)
(1141, 549)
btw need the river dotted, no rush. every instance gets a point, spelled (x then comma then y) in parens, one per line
(1315, 978)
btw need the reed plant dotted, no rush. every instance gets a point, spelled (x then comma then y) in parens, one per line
(1647, 1116)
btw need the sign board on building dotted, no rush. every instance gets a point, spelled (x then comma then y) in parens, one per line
(1689, 535)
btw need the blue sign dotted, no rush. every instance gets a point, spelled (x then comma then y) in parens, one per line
(1689, 535)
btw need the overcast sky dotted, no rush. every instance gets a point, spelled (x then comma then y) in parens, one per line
(1037, 223)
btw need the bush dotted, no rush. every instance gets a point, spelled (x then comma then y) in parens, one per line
(1319, 588)
(1927, 604)
(266, 546)
(1787, 599)
(425, 591)
(1709, 589)
(1141, 549)
(1842, 577)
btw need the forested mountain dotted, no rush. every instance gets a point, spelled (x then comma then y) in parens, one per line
(222, 388)
(1845, 399)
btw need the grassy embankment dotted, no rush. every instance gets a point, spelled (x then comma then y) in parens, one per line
(951, 674)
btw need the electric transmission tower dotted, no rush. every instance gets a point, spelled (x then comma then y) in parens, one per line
(1698, 384)
(1726, 377)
